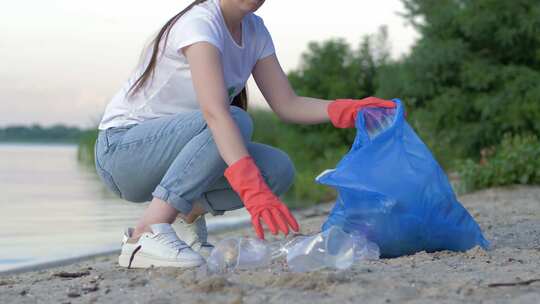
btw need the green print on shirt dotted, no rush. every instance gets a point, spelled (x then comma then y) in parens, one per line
(232, 91)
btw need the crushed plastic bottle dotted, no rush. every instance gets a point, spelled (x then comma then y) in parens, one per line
(377, 120)
(363, 248)
(331, 248)
(280, 249)
(238, 253)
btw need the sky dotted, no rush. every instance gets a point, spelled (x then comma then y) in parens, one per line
(62, 60)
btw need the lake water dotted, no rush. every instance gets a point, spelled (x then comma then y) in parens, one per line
(53, 207)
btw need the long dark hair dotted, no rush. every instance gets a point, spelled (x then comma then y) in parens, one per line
(239, 100)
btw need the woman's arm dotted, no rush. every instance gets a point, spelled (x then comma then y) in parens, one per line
(207, 74)
(277, 90)
(242, 172)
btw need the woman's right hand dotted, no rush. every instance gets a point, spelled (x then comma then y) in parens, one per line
(243, 175)
(245, 178)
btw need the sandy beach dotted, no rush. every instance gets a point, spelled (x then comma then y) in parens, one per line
(509, 273)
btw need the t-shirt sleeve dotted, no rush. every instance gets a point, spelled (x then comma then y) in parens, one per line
(192, 29)
(265, 45)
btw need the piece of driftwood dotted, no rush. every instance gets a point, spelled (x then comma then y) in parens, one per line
(64, 274)
(521, 283)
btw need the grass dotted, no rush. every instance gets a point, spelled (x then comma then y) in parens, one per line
(516, 160)
(85, 151)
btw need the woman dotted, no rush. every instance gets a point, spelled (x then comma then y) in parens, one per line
(178, 134)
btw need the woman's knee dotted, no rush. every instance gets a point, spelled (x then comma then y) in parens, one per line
(282, 175)
(135, 190)
(135, 196)
(285, 176)
(244, 122)
(276, 167)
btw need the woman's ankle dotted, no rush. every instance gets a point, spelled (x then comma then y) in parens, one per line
(197, 211)
(157, 212)
(139, 231)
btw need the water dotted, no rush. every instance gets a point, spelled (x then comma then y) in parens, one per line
(53, 207)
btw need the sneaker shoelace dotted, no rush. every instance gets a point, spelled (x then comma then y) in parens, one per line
(171, 240)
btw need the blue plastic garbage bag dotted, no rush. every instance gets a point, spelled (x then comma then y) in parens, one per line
(391, 188)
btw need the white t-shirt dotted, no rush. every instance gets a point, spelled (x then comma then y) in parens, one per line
(171, 91)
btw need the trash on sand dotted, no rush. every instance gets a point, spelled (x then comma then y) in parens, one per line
(238, 253)
(332, 248)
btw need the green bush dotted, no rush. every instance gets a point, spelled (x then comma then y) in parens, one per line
(515, 161)
(472, 76)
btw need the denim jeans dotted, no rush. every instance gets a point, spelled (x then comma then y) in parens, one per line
(174, 158)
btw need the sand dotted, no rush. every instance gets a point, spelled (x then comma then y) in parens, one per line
(509, 273)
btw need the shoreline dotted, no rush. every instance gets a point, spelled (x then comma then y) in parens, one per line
(215, 225)
(45, 264)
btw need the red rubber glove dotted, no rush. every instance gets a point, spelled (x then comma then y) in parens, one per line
(246, 179)
(342, 112)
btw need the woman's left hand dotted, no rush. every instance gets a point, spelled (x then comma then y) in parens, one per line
(343, 112)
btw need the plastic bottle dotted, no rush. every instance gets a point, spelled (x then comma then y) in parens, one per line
(331, 248)
(363, 248)
(238, 253)
(280, 249)
(377, 120)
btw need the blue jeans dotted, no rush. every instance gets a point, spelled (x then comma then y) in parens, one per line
(174, 158)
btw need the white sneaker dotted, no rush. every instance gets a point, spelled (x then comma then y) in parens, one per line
(195, 235)
(159, 248)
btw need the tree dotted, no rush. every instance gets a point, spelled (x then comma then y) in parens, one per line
(474, 74)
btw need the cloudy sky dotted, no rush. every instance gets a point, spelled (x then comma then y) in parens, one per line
(63, 59)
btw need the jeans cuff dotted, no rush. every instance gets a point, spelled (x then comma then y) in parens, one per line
(175, 200)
